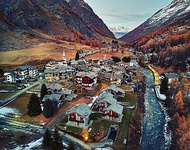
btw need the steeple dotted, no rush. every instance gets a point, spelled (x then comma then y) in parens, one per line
(64, 58)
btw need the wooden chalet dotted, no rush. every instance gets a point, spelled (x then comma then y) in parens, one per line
(55, 98)
(116, 91)
(113, 112)
(78, 116)
(104, 100)
(86, 79)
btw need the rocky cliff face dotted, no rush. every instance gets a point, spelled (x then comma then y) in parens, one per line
(51, 17)
(90, 18)
(177, 11)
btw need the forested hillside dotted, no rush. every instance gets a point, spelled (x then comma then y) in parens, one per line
(170, 46)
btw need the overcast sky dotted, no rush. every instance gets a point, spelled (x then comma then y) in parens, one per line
(127, 13)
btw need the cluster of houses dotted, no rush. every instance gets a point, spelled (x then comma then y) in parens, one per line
(106, 104)
(58, 94)
(21, 74)
(86, 73)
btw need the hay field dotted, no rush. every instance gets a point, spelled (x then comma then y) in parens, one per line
(45, 51)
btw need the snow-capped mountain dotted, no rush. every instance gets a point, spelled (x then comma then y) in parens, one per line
(176, 8)
(119, 31)
(177, 11)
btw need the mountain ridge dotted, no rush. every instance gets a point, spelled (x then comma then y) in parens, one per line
(56, 18)
(177, 10)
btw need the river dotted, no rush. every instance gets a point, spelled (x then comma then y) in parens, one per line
(155, 135)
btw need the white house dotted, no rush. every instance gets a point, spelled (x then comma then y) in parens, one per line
(11, 78)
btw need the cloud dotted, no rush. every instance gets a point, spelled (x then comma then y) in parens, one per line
(127, 17)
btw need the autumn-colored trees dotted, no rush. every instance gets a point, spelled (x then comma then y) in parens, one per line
(180, 123)
(178, 103)
(181, 132)
(170, 45)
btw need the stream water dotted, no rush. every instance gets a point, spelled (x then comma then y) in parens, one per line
(154, 131)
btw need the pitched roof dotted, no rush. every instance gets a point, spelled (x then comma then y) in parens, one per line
(107, 69)
(106, 97)
(54, 86)
(115, 88)
(81, 109)
(66, 91)
(114, 107)
(52, 97)
(90, 75)
(87, 74)
(96, 69)
(118, 75)
(12, 74)
(24, 67)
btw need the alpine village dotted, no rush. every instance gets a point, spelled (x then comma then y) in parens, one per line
(67, 83)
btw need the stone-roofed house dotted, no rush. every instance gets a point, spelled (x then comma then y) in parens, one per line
(116, 91)
(78, 115)
(117, 78)
(104, 100)
(55, 98)
(56, 71)
(113, 112)
(23, 71)
(105, 74)
(86, 79)
(68, 94)
(54, 88)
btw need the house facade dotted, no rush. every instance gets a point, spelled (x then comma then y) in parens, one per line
(109, 107)
(116, 91)
(11, 78)
(33, 72)
(86, 79)
(23, 71)
(117, 78)
(113, 112)
(56, 70)
(78, 116)
(105, 100)
(55, 98)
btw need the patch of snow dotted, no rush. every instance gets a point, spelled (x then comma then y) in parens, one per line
(30, 145)
(158, 94)
(106, 148)
(4, 111)
(169, 11)
(93, 100)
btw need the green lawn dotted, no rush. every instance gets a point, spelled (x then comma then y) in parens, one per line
(101, 127)
(123, 129)
(4, 96)
(129, 97)
(74, 130)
